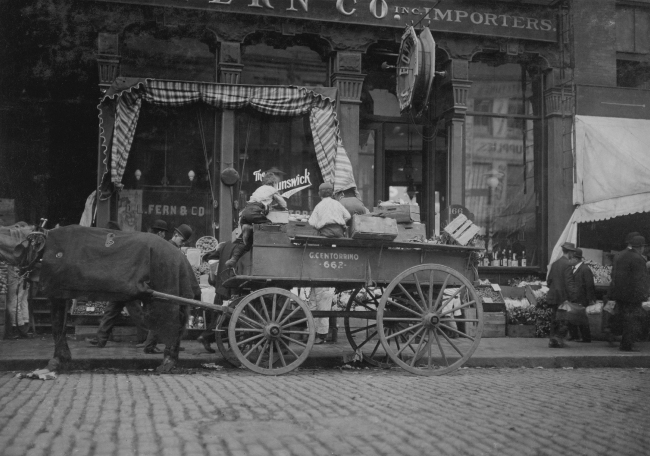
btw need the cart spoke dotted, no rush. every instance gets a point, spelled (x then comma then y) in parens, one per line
(293, 312)
(410, 298)
(259, 357)
(266, 312)
(415, 355)
(284, 306)
(253, 348)
(294, 323)
(255, 330)
(288, 348)
(304, 333)
(474, 320)
(294, 340)
(367, 339)
(271, 345)
(467, 304)
(442, 333)
(279, 349)
(462, 334)
(419, 288)
(257, 314)
(442, 352)
(374, 350)
(250, 339)
(394, 303)
(275, 301)
(408, 343)
(402, 319)
(362, 329)
(442, 291)
(445, 301)
(430, 300)
(429, 358)
(410, 328)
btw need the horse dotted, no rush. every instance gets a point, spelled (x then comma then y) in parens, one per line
(102, 264)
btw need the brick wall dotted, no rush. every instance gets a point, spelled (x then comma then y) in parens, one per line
(594, 41)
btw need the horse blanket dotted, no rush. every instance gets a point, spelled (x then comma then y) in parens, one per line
(106, 265)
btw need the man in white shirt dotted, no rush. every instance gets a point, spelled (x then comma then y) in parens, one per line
(329, 216)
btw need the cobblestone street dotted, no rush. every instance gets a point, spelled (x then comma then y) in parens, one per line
(328, 412)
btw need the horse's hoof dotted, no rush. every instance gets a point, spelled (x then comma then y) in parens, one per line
(167, 366)
(53, 365)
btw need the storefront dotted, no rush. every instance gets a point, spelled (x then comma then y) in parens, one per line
(478, 149)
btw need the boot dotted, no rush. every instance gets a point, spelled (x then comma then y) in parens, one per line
(334, 335)
(237, 253)
(22, 331)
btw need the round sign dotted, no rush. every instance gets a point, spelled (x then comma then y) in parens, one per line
(409, 63)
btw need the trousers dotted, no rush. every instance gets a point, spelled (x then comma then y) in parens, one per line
(632, 315)
(112, 314)
(321, 299)
(17, 306)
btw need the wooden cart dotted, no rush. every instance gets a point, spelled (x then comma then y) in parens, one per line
(407, 304)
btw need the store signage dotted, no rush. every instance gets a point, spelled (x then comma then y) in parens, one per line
(415, 70)
(289, 186)
(459, 16)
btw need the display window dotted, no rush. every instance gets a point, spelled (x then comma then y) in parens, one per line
(283, 146)
(294, 65)
(503, 141)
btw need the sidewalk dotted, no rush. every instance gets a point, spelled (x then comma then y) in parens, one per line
(29, 354)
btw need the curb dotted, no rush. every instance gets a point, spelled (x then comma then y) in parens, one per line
(329, 362)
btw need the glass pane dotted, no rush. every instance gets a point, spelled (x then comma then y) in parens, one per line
(295, 65)
(498, 89)
(285, 143)
(500, 189)
(365, 175)
(403, 154)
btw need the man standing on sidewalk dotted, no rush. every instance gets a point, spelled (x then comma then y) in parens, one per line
(630, 287)
(586, 290)
(562, 288)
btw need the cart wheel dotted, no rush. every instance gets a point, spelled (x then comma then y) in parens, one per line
(364, 338)
(271, 331)
(440, 320)
(221, 339)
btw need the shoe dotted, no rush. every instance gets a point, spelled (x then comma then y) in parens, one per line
(206, 344)
(555, 344)
(152, 351)
(320, 340)
(97, 343)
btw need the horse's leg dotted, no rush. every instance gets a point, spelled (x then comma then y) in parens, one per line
(62, 353)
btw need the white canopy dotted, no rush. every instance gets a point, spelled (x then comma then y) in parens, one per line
(612, 171)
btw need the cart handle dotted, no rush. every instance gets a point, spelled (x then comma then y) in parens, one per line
(189, 302)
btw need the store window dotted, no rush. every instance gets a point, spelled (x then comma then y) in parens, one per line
(166, 175)
(295, 65)
(503, 139)
(633, 74)
(284, 145)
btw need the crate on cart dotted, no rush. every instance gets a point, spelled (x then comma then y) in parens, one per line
(402, 213)
(369, 227)
(461, 229)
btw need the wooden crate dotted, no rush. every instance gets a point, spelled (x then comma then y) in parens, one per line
(403, 213)
(407, 232)
(368, 227)
(495, 324)
(278, 216)
(300, 229)
(462, 230)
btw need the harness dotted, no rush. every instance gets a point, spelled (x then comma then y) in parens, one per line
(30, 252)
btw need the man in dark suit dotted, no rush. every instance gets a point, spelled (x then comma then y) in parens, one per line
(586, 295)
(630, 287)
(561, 288)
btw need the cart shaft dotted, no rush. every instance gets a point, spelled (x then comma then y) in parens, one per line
(189, 302)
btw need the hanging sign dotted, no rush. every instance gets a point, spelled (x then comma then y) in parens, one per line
(501, 19)
(415, 70)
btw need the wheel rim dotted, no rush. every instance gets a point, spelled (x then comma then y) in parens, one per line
(267, 331)
(223, 344)
(364, 339)
(440, 322)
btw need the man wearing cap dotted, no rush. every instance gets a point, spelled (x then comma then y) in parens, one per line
(586, 289)
(630, 287)
(562, 288)
(329, 216)
(182, 234)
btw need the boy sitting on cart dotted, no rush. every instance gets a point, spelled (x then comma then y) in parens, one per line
(255, 211)
(329, 217)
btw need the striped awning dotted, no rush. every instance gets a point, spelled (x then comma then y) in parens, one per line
(120, 109)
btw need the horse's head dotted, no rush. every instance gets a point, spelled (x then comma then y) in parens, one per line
(12, 239)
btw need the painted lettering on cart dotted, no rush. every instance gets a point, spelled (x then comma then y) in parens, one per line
(332, 260)
(165, 209)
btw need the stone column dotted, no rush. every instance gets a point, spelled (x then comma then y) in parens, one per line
(457, 86)
(558, 169)
(348, 80)
(230, 68)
